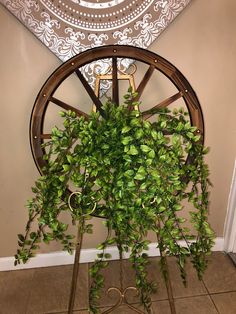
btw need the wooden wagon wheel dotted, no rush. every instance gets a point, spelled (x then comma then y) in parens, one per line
(47, 95)
(73, 66)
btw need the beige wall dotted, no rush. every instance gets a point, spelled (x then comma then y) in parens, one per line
(200, 42)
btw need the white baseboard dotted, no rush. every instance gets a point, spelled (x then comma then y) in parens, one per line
(219, 244)
(87, 255)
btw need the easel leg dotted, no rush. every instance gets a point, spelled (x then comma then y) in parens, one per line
(168, 287)
(76, 267)
(121, 261)
(166, 272)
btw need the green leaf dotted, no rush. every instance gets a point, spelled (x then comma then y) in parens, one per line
(139, 133)
(190, 135)
(163, 124)
(180, 127)
(151, 154)
(21, 237)
(62, 114)
(154, 134)
(181, 110)
(143, 186)
(197, 138)
(101, 246)
(126, 140)
(107, 255)
(177, 207)
(62, 178)
(205, 150)
(181, 261)
(129, 173)
(126, 129)
(131, 184)
(135, 122)
(141, 170)
(175, 139)
(33, 235)
(66, 167)
(145, 148)
(130, 89)
(34, 189)
(155, 174)
(70, 159)
(149, 161)
(160, 135)
(187, 125)
(139, 176)
(59, 193)
(132, 150)
(184, 250)
(161, 209)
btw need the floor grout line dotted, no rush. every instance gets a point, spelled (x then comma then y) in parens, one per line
(191, 296)
(210, 297)
(223, 292)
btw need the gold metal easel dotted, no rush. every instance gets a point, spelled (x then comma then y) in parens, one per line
(108, 76)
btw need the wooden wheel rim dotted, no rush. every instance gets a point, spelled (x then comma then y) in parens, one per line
(71, 66)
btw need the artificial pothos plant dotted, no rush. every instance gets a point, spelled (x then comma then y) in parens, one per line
(136, 174)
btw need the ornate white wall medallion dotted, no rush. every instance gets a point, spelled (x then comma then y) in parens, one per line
(68, 27)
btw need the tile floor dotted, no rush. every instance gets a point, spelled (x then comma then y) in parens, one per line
(46, 290)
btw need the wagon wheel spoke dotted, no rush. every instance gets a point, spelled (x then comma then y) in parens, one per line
(62, 104)
(142, 85)
(90, 92)
(115, 85)
(150, 112)
(45, 136)
(144, 81)
(65, 106)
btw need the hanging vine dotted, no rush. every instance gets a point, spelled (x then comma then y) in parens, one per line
(135, 174)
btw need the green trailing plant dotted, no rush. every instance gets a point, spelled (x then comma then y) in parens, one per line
(136, 174)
